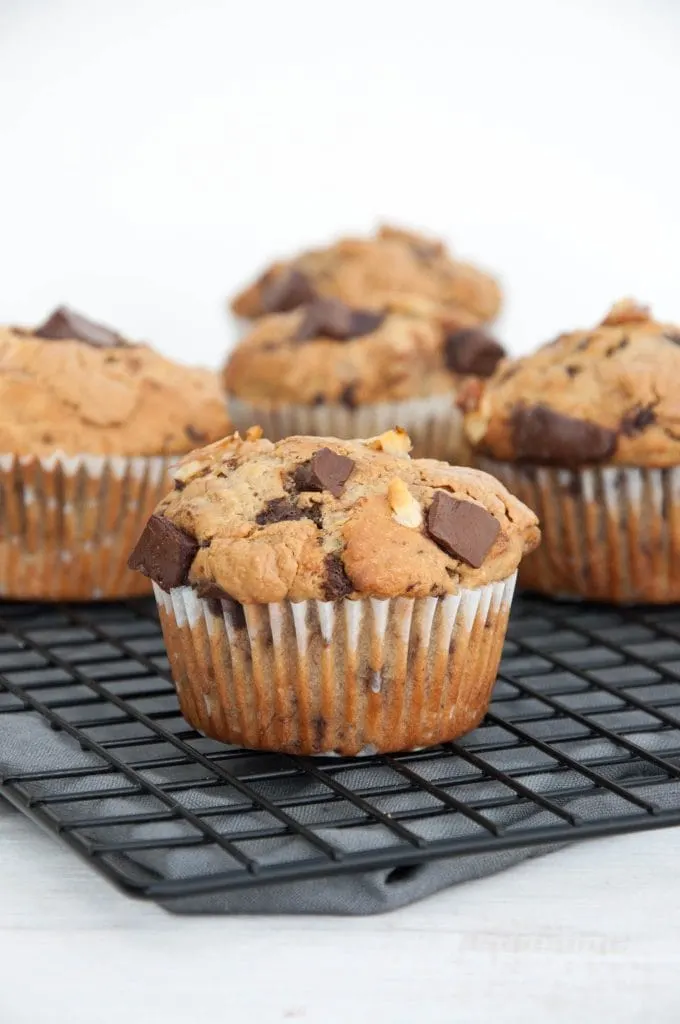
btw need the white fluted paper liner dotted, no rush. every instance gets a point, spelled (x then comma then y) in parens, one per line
(346, 677)
(433, 423)
(69, 522)
(610, 533)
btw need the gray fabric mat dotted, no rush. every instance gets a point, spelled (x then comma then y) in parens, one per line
(28, 744)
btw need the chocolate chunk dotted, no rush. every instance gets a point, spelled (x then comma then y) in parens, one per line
(194, 435)
(286, 291)
(66, 325)
(546, 437)
(164, 553)
(325, 318)
(278, 510)
(337, 583)
(314, 513)
(637, 420)
(348, 396)
(210, 590)
(472, 351)
(571, 370)
(325, 471)
(462, 529)
(331, 318)
(365, 322)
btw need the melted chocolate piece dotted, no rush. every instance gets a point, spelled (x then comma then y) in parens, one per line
(472, 351)
(337, 583)
(464, 530)
(543, 436)
(348, 396)
(66, 325)
(164, 553)
(210, 590)
(637, 420)
(286, 291)
(279, 510)
(331, 318)
(319, 725)
(314, 513)
(325, 471)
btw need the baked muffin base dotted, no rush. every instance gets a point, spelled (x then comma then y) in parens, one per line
(68, 523)
(610, 533)
(434, 424)
(347, 677)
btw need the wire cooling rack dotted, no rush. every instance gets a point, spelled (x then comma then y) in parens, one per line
(582, 740)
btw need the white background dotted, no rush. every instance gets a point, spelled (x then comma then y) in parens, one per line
(154, 153)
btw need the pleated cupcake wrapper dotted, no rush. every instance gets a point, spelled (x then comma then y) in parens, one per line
(609, 534)
(346, 677)
(69, 522)
(434, 423)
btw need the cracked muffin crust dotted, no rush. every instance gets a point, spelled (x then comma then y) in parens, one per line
(319, 518)
(324, 596)
(328, 353)
(74, 386)
(610, 395)
(394, 270)
(88, 425)
(586, 431)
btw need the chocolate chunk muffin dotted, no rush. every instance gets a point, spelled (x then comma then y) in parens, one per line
(587, 432)
(329, 369)
(392, 271)
(325, 596)
(88, 425)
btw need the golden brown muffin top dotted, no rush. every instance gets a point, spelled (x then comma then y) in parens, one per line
(75, 386)
(608, 395)
(327, 352)
(394, 270)
(320, 518)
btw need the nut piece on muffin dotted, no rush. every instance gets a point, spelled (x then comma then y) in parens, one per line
(329, 369)
(88, 423)
(319, 595)
(587, 432)
(392, 271)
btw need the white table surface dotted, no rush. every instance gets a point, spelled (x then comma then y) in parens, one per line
(591, 933)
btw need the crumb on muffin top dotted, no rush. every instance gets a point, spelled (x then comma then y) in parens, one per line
(608, 395)
(394, 270)
(327, 352)
(75, 386)
(321, 518)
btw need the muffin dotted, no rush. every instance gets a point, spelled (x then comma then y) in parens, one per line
(88, 425)
(321, 596)
(586, 431)
(331, 370)
(392, 271)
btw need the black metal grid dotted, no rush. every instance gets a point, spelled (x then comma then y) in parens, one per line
(582, 740)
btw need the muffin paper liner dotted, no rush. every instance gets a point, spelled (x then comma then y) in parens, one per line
(610, 533)
(345, 677)
(434, 424)
(69, 522)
